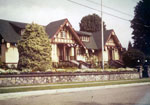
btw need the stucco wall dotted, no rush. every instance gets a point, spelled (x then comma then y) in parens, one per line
(116, 54)
(11, 80)
(54, 53)
(105, 55)
(9, 54)
(12, 55)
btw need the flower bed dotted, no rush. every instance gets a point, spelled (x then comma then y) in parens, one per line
(68, 70)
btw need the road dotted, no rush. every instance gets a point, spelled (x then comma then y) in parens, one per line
(133, 95)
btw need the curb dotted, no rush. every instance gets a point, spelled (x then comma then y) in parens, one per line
(56, 91)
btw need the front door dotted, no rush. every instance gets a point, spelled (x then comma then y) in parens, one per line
(67, 53)
(61, 53)
(110, 54)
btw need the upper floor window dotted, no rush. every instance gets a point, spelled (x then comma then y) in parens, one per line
(85, 38)
(63, 34)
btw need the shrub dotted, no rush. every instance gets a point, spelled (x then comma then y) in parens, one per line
(133, 58)
(34, 49)
(93, 60)
(148, 60)
(9, 71)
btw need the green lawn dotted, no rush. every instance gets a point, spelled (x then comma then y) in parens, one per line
(71, 85)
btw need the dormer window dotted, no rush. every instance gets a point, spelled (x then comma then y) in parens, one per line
(85, 38)
(63, 34)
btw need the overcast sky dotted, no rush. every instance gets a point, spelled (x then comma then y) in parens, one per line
(46, 11)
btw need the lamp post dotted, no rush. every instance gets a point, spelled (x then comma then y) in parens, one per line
(139, 68)
(102, 36)
(146, 72)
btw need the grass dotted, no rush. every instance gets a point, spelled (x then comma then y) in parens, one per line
(71, 85)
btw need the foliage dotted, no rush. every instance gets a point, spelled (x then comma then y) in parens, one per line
(26, 71)
(141, 26)
(129, 46)
(93, 60)
(91, 23)
(148, 60)
(34, 49)
(133, 58)
(9, 71)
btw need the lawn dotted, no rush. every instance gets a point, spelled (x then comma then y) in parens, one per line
(69, 85)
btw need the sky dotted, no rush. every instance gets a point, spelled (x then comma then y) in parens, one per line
(45, 11)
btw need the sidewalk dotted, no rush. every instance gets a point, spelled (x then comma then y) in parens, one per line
(58, 91)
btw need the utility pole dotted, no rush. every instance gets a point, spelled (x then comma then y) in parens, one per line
(102, 35)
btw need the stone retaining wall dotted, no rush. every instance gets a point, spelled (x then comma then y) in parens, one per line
(25, 79)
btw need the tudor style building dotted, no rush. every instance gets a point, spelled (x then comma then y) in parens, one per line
(67, 44)
(64, 40)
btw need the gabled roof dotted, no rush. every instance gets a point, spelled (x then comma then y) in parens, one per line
(8, 30)
(91, 44)
(95, 39)
(98, 37)
(54, 27)
(84, 33)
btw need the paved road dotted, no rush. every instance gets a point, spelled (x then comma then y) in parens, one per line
(135, 95)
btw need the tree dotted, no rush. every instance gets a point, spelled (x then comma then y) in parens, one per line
(91, 23)
(34, 49)
(129, 46)
(141, 27)
(133, 58)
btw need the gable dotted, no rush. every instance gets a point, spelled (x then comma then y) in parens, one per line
(53, 27)
(64, 36)
(113, 40)
(95, 41)
(57, 28)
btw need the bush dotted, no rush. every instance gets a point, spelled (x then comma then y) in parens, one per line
(9, 71)
(93, 60)
(133, 58)
(148, 60)
(34, 49)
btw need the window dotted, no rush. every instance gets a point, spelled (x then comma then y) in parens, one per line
(85, 38)
(63, 34)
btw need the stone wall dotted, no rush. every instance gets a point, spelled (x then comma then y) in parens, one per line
(25, 79)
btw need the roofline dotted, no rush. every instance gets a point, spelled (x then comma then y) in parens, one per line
(60, 27)
(115, 37)
(74, 32)
(14, 21)
(84, 33)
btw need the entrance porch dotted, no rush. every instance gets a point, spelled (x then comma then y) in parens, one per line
(66, 52)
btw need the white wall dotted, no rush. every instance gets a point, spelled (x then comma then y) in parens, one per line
(11, 54)
(116, 54)
(54, 54)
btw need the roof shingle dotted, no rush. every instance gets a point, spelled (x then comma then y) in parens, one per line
(52, 27)
(8, 30)
(95, 38)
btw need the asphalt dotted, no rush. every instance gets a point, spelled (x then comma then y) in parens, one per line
(57, 91)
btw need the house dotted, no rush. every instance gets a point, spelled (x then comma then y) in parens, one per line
(67, 44)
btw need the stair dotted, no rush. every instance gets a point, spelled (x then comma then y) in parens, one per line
(116, 63)
(80, 65)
